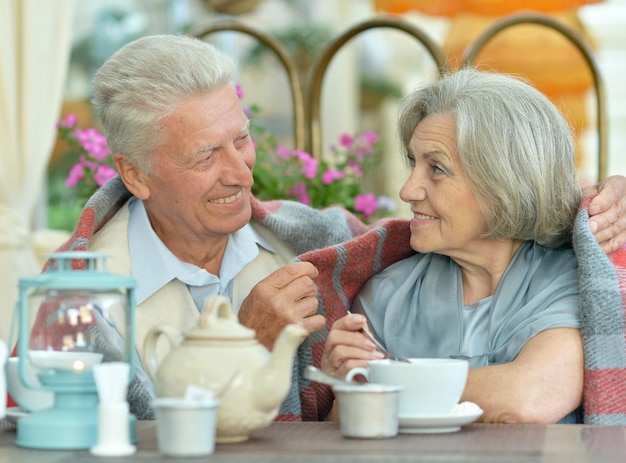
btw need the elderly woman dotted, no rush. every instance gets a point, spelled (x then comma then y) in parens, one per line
(493, 197)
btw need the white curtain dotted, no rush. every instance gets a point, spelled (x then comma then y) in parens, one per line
(35, 42)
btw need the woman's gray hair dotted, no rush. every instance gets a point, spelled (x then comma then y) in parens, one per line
(145, 81)
(516, 149)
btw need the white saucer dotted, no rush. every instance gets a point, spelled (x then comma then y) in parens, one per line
(15, 413)
(436, 423)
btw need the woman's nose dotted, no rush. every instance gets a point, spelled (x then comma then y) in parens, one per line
(413, 188)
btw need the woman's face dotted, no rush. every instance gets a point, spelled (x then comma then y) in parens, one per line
(203, 172)
(446, 216)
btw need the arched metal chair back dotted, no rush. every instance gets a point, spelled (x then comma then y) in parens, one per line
(319, 68)
(295, 86)
(307, 129)
(473, 50)
(306, 112)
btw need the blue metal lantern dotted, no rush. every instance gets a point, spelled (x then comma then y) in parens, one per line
(71, 317)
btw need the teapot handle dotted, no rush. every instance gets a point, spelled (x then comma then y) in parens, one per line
(174, 336)
(215, 307)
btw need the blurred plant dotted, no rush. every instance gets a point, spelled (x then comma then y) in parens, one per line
(302, 42)
(90, 157)
(283, 173)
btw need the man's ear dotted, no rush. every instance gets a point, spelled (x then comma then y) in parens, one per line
(133, 178)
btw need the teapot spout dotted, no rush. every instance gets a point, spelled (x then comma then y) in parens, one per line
(273, 380)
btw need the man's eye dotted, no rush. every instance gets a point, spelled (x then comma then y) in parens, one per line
(242, 140)
(204, 157)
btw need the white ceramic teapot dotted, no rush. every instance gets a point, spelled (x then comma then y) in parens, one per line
(220, 350)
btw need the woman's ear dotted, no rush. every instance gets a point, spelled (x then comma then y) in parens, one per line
(133, 177)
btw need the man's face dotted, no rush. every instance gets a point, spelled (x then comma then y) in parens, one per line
(200, 187)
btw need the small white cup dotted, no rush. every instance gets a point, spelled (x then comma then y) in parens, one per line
(29, 400)
(429, 386)
(186, 428)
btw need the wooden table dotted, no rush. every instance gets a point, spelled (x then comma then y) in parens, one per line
(322, 442)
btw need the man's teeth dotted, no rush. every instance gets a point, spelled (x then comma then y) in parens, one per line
(422, 217)
(229, 199)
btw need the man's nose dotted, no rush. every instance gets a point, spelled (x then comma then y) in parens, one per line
(235, 168)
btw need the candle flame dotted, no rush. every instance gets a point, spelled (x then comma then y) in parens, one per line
(78, 365)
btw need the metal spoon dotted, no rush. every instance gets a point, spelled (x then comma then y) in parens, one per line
(381, 348)
(319, 376)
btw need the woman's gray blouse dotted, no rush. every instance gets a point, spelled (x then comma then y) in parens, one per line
(415, 306)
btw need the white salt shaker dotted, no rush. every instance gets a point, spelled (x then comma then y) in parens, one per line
(113, 411)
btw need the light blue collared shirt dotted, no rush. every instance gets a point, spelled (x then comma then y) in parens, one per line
(154, 265)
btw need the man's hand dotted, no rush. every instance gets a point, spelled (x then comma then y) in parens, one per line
(608, 212)
(288, 295)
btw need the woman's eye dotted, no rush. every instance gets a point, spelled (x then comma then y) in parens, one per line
(437, 169)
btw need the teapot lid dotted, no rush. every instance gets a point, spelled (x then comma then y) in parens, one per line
(217, 321)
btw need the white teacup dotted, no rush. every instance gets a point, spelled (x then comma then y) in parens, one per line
(429, 386)
(29, 400)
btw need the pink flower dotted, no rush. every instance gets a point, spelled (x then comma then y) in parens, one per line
(331, 175)
(366, 204)
(87, 163)
(299, 192)
(346, 140)
(69, 121)
(302, 155)
(370, 137)
(310, 168)
(94, 143)
(100, 152)
(360, 152)
(77, 172)
(283, 152)
(310, 164)
(103, 174)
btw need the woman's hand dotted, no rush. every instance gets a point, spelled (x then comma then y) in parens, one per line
(346, 348)
(607, 212)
